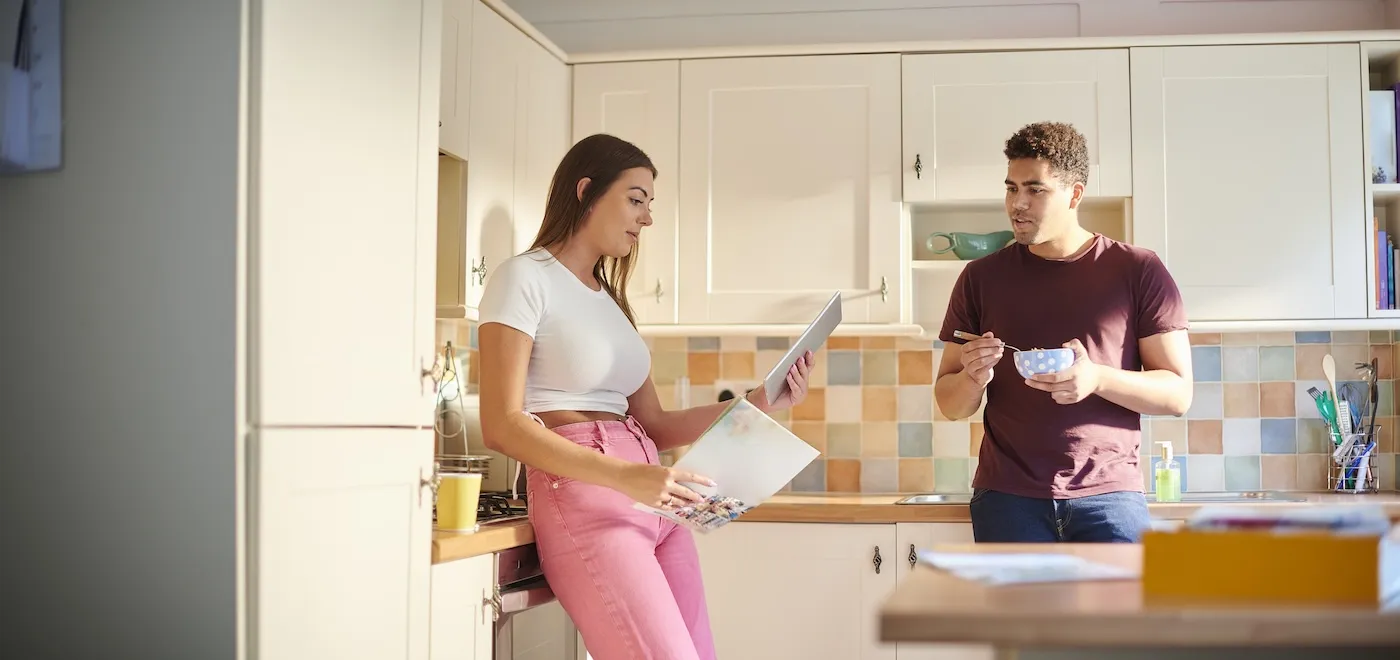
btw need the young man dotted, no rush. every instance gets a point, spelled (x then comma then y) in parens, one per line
(1059, 458)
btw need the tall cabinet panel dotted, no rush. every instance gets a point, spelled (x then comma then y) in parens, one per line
(1248, 177)
(638, 102)
(790, 189)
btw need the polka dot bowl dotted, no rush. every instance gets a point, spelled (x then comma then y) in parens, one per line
(1044, 361)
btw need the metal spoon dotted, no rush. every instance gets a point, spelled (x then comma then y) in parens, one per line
(971, 337)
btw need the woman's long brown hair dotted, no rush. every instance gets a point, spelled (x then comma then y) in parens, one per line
(602, 159)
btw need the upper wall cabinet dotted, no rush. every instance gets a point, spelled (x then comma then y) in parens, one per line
(1248, 177)
(960, 108)
(789, 189)
(454, 102)
(637, 101)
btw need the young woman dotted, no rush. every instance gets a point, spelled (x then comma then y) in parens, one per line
(566, 390)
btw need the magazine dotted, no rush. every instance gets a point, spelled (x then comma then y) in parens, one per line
(749, 456)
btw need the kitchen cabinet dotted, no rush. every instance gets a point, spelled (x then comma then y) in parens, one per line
(463, 623)
(343, 227)
(639, 102)
(1248, 177)
(454, 101)
(518, 131)
(336, 508)
(909, 538)
(797, 590)
(960, 108)
(789, 189)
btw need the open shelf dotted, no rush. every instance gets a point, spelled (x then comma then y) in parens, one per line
(1381, 151)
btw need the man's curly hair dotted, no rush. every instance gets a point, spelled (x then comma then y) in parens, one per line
(1058, 143)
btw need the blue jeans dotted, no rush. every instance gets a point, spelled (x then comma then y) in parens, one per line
(1119, 517)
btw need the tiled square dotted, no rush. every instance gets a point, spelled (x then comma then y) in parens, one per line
(1205, 363)
(842, 368)
(1304, 406)
(1313, 437)
(1380, 337)
(773, 344)
(879, 439)
(1278, 472)
(1241, 399)
(812, 479)
(843, 343)
(843, 403)
(1205, 338)
(916, 367)
(1351, 337)
(879, 475)
(977, 433)
(915, 474)
(878, 368)
(1312, 337)
(699, 344)
(813, 433)
(1208, 402)
(1241, 473)
(843, 475)
(1275, 339)
(1169, 430)
(878, 404)
(738, 344)
(670, 344)
(843, 440)
(1385, 361)
(877, 343)
(1276, 363)
(1277, 399)
(702, 368)
(951, 439)
(812, 408)
(1312, 471)
(1207, 473)
(1241, 437)
(667, 366)
(1240, 363)
(736, 366)
(915, 440)
(952, 475)
(1307, 361)
(1204, 436)
(1278, 436)
(1240, 339)
(915, 403)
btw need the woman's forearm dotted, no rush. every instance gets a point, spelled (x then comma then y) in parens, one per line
(520, 437)
(678, 428)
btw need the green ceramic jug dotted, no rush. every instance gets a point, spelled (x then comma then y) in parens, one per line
(968, 246)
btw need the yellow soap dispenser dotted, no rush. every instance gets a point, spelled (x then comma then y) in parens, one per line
(1168, 476)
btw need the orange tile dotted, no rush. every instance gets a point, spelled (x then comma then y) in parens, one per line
(702, 368)
(978, 432)
(1385, 436)
(1241, 399)
(915, 474)
(1203, 436)
(473, 367)
(1346, 356)
(1308, 361)
(1384, 355)
(464, 335)
(1277, 399)
(1240, 338)
(878, 404)
(843, 475)
(813, 433)
(1312, 471)
(1173, 431)
(813, 408)
(877, 343)
(842, 343)
(1278, 471)
(879, 439)
(1205, 338)
(736, 365)
(916, 367)
(669, 344)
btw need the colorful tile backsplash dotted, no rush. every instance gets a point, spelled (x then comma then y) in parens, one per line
(871, 412)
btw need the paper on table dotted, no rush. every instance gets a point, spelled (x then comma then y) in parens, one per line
(1023, 568)
(748, 455)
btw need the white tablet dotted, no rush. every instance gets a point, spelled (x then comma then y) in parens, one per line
(812, 338)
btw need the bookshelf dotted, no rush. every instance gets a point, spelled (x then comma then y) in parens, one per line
(1381, 149)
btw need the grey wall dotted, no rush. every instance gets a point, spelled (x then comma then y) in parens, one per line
(117, 333)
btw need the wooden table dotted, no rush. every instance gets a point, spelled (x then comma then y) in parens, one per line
(1111, 620)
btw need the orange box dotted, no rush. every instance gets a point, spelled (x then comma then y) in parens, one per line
(1229, 565)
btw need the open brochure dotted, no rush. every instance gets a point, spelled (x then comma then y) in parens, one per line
(1002, 568)
(748, 455)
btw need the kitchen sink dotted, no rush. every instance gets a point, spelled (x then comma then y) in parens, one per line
(1186, 498)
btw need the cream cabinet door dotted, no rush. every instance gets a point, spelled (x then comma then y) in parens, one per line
(1249, 177)
(638, 102)
(910, 538)
(343, 223)
(454, 105)
(780, 591)
(960, 108)
(544, 140)
(463, 623)
(790, 189)
(341, 544)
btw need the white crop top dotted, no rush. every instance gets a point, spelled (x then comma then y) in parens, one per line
(586, 356)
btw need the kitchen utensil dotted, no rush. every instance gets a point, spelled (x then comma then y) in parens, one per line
(970, 337)
(1329, 369)
(968, 246)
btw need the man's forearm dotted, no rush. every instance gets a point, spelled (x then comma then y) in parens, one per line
(1157, 392)
(958, 395)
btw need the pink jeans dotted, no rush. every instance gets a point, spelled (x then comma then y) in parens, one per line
(630, 580)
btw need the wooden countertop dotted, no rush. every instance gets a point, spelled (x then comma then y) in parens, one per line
(933, 606)
(494, 537)
(858, 508)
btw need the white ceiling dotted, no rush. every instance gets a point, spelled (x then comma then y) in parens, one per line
(600, 26)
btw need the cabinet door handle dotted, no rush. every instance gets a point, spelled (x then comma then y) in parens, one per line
(884, 289)
(430, 482)
(912, 557)
(658, 289)
(918, 167)
(480, 271)
(877, 560)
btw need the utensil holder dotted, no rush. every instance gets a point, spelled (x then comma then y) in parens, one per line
(1351, 467)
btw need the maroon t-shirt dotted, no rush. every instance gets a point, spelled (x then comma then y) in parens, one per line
(1109, 296)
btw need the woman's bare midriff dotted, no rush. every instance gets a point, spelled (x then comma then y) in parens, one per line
(557, 418)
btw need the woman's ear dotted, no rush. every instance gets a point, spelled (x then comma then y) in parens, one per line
(582, 186)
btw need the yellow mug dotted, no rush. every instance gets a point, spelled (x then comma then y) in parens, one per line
(457, 500)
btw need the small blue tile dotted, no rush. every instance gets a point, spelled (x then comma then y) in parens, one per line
(812, 479)
(1151, 485)
(938, 343)
(843, 368)
(774, 343)
(1313, 337)
(1278, 436)
(1205, 363)
(703, 344)
(915, 439)
(1241, 473)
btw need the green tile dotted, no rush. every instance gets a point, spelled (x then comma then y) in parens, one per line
(843, 440)
(952, 475)
(1276, 363)
(878, 367)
